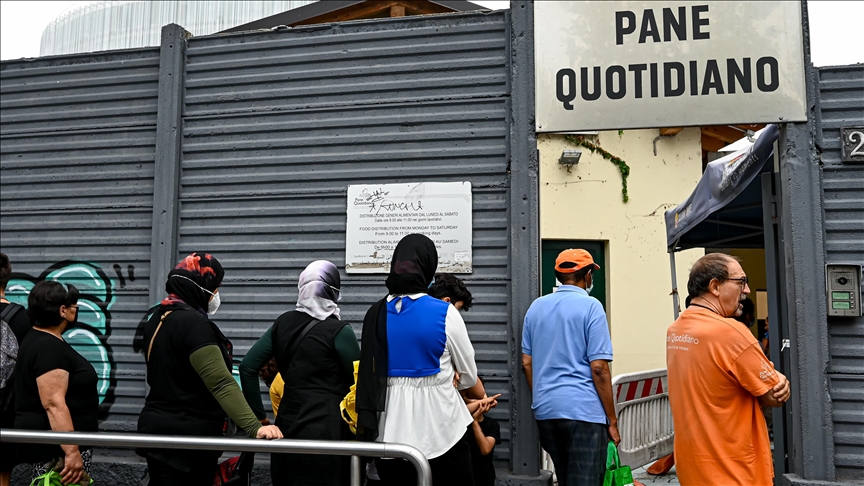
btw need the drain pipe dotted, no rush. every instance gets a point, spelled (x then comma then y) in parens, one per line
(658, 138)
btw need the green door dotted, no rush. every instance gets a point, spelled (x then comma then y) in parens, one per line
(549, 251)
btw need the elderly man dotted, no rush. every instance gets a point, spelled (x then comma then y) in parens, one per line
(718, 378)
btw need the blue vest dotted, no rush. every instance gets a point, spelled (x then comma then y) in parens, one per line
(416, 336)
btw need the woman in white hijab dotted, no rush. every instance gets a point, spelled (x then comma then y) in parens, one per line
(314, 353)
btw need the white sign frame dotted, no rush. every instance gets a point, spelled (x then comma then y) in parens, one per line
(379, 215)
(584, 39)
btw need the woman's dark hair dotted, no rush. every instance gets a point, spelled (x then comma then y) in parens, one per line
(5, 270)
(447, 285)
(706, 269)
(45, 300)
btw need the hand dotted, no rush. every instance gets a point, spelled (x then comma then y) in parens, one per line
(269, 432)
(73, 468)
(493, 400)
(481, 410)
(265, 421)
(782, 390)
(456, 378)
(614, 436)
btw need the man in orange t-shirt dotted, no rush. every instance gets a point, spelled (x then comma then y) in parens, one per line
(718, 377)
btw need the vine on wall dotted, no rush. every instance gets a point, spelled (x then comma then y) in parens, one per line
(618, 161)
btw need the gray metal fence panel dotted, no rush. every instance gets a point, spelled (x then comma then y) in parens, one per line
(841, 104)
(278, 124)
(78, 138)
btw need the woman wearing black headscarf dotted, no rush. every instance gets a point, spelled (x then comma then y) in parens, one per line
(188, 370)
(412, 346)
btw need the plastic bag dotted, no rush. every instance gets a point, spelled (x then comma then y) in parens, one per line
(348, 407)
(616, 474)
(53, 478)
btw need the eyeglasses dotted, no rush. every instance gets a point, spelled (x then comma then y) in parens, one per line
(743, 281)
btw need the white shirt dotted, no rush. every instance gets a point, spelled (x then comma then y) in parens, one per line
(428, 412)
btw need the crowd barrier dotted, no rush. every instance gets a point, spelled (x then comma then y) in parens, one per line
(644, 417)
(321, 447)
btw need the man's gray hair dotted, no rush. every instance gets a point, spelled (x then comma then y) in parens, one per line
(706, 269)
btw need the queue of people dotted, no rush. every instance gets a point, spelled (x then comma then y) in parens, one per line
(417, 381)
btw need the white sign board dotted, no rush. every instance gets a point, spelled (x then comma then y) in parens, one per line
(380, 215)
(615, 65)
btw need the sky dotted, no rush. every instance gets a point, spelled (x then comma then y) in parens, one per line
(835, 28)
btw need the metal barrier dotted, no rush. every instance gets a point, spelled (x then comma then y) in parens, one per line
(644, 417)
(322, 447)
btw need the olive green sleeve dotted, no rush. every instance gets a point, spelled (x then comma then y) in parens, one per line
(347, 348)
(210, 366)
(259, 354)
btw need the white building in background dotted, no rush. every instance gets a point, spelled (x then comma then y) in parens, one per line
(102, 26)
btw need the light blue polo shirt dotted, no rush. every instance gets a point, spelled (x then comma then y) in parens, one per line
(565, 331)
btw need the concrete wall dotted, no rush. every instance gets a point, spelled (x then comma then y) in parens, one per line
(586, 204)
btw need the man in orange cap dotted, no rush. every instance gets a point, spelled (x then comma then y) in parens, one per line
(566, 350)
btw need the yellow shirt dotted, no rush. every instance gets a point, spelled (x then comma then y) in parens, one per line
(276, 393)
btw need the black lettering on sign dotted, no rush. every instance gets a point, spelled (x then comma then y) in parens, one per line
(620, 30)
(699, 22)
(649, 27)
(654, 81)
(611, 92)
(743, 77)
(774, 72)
(567, 98)
(712, 78)
(668, 90)
(677, 24)
(637, 69)
(694, 79)
(586, 95)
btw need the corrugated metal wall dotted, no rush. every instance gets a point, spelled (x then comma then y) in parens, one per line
(841, 104)
(275, 126)
(78, 138)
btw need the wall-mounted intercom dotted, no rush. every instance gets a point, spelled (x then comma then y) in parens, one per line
(844, 290)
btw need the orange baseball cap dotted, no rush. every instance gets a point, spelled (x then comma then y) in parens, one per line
(573, 260)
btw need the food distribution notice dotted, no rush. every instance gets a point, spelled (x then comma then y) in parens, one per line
(380, 215)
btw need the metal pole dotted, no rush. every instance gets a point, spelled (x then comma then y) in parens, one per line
(355, 471)
(292, 446)
(675, 301)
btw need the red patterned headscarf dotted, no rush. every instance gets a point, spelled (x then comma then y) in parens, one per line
(193, 280)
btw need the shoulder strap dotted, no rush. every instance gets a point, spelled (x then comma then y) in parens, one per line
(10, 311)
(161, 320)
(296, 344)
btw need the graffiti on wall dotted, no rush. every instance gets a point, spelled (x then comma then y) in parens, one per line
(89, 337)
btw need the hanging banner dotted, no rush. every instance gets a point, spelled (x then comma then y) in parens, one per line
(723, 180)
(617, 65)
(380, 215)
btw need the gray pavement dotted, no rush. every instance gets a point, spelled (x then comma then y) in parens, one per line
(645, 478)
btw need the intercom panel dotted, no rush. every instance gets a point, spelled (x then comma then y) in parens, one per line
(844, 290)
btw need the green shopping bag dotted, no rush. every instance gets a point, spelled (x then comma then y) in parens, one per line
(53, 478)
(616, 474)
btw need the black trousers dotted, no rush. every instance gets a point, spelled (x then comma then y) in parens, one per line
(578, 450)
(200, 474)
(451, 469)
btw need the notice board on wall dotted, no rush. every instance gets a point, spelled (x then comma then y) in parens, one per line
(617, 65)
(379, 215)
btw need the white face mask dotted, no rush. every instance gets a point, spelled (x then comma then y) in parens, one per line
(213, 305)
(591, 287)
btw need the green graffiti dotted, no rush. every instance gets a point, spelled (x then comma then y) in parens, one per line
(96, 298)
